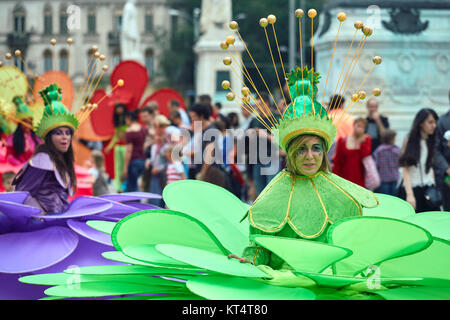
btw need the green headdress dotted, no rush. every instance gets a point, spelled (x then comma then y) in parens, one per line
(304, 115)
(55, 113)
(23, 111)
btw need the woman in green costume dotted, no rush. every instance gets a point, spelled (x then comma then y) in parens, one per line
(305, 198)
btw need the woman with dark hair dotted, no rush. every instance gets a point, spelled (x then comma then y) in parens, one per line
(417, 159)
(49, 176)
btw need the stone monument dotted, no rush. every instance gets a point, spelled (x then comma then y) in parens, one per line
(130, 42)
(412, 38)
(210, 70)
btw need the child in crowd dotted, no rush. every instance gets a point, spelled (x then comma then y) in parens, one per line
(175, 169)
(100, 186)
(157, 166)
(386, 157)
(7, 178)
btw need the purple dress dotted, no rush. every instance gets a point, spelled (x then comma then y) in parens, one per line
(44, 184)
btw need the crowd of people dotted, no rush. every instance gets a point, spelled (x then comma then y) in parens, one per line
(158, 150)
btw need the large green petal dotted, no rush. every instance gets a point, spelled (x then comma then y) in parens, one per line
(211, 261)
(46, 279)
(101, 225)
(120, 257)
(216, 207)
(390, 207)
(433, 262)
(436, 222)
(233, 288)
(148, 253)
(374, 240)
(415, 293)
(163, 226)
(129, 270)
(303, 255)
(332, 281)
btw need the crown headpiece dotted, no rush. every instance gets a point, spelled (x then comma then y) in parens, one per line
(304, 115)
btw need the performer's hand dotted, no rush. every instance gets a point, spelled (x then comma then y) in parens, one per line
(411, 200)
(242, 260)
(155, 171)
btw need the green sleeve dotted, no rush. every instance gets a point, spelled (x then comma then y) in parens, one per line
(254, 252)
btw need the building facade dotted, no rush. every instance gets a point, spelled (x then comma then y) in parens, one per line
(29, 25)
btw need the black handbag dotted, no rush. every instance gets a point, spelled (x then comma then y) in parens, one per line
(433, 196)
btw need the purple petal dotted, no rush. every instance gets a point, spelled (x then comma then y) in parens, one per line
(142, 206)
(80, 207)
(17, 197)
(23, 252)
(12, 289)
(131, 196)
(84, 230)
(18, 213)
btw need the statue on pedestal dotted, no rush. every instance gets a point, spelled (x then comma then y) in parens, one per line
(216, 14)
(129, 35)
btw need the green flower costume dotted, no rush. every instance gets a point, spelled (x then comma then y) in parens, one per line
(295, 206)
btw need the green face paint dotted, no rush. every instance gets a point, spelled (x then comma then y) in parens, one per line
(308, 157)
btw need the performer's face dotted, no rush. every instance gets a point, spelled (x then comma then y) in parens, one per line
(62, 138)
(309, 156)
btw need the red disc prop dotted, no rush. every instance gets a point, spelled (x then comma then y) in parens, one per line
(163, 98)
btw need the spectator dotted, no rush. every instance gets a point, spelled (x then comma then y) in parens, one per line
(156, 164)
(416, 160)
(345, 121)
(148, 115)
(173, 131)
(376, 123)
(134, 155)
(175, 169)
(386, 157)
(205, 99)
(7, 179)
(350, 151)
(233, 120)
(443, 158)
(217, 109)
(100, 186)
(174, 105)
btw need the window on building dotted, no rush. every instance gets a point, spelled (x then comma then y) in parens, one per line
(149, 61)
(47, 60)
(117, 20)
(148, 21)
(63, 60)
(92, 22)
(48, 20)
(63, 20)
(19, 17)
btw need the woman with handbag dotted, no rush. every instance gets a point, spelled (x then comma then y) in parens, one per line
(416, 160)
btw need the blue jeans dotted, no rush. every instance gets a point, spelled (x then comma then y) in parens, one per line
(135, 169)
(155, 187)
(260, 179)
(389, 188)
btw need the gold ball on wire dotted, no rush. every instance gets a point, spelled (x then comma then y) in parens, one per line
(341, 16)
(94, 48)
(230, 40)
(8, 56)
(246, 99)
(362, 95)
(1, 64)
(263, 22)
(69, 41)
(312, 13)
(120, 83)
(358, 24)
(367, 31)
(97, 54)
(227, 61)
(226, 84)
(299, 13)
(355, 97)
(105, 68)
(224, 45)
(245, 91)
(102, 57)
(376, 92)
(230, 96)
(234, 25)
(271, 19)
(377, 60)
(95, 106)
(17, 53)
(53, 41)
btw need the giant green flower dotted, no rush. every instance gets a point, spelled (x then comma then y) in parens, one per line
(388, 253)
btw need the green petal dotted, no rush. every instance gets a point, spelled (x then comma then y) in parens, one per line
(303, 255)
(233, 288)
(129, 270)
(433, 262)
(120, 257)
(103, 226)
(390, 207)
(211, 261)
(148, 253)
(332, 281)
(163, 226)
(46, 279)
(416, 293)
(214, 206)
(436, 222)
(374, 240)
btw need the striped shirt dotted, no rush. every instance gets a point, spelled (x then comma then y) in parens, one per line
(174, 171)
